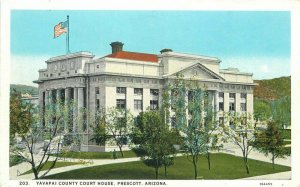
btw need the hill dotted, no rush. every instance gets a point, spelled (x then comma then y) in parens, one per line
(272, 89)
(24, 89)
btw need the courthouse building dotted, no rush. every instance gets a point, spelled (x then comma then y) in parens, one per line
(136, 80)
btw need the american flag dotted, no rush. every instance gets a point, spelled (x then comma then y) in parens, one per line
(60, 28)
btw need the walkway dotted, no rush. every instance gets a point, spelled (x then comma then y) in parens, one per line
(90, 163)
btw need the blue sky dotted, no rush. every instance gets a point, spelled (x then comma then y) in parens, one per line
(253, 41)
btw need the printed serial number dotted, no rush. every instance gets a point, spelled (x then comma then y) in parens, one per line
(23, 183)
(265, 184)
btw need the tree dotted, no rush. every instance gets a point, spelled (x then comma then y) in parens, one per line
(118, 126)
(239, 129)
(200, 132)
(44, 134)
(19, 114)
(262, 110)
(270, 141)
(281, 111)
(155, 141)
(100, 134)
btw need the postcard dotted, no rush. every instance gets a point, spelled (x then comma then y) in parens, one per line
(141, 93)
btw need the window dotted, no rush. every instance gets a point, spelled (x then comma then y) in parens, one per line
(75, 71)
(121, 103)
(63, 67)
(243, 107)
(97, 90)
(221, 106)
(58, 74)
(221, 94)
(138, 91)
(232, 95)
(231, 106)
(97, 104)
(154, 92)
(190, 96)
(153, 104)
(243, 95)
(121, 90)
(97, 66)
(72, 65)
(138, 105)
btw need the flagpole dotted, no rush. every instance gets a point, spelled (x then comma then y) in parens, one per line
(68, 46)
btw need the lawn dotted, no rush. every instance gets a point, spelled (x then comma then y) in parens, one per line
(57, 165)
(98, 155)
(223, 166)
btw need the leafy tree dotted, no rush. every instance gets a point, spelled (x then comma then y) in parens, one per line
(200, 134)
(239, 129)
(270, 141)
(100, 134)
(19, 114)
(155, 141)
(43, 136)
(262, 110)
(281, 111)
(118, 126)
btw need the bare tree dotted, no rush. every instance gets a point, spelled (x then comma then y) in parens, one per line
(118, 126)
(44, 136)
(239, 129)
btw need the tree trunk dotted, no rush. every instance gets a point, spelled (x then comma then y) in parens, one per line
(120, 147)
(156, 172)
(273, 161)
(36, 175)
(165, 170)
(208, 160)
(195, 166)
(246, 165)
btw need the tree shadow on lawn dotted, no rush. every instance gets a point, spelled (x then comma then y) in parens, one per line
(223, 166)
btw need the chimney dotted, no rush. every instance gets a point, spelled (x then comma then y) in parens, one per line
(166, 50)
(116, 47)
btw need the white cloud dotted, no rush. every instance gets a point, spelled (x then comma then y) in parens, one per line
(24, 69)
(261, 67)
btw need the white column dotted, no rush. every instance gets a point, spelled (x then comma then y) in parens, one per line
(46, 98)
(226, 101)
(67, 95)
(50, 97)
(75, 113)
(80, 98)
(146, 98)
(80, 106)
(187, 108)
(58, 97)
(41, 98)
(129, 99)
(249, 103)
(67, 101)
(238, 102)
(216, 101)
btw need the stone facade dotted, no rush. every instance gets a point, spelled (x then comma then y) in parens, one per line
(136, 81)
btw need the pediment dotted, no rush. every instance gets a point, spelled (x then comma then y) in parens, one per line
(199, 71)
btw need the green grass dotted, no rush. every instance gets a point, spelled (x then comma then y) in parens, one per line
(98, 155)
(223, 166)
(57, 165)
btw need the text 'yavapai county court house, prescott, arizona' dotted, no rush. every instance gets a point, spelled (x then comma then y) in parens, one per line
(135, 81)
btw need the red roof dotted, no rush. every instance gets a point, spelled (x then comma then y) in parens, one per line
(134, 56)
